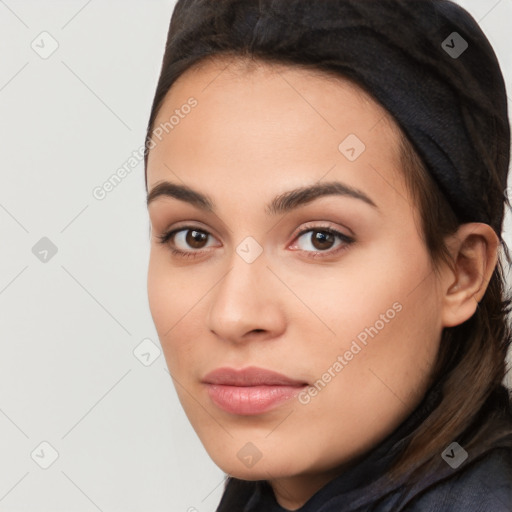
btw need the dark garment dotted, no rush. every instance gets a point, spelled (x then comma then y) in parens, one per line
(482, 483)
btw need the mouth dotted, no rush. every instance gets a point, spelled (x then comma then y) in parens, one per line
(250, 391)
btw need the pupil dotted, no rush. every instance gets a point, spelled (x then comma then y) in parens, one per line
(192, 239)
(322, 237)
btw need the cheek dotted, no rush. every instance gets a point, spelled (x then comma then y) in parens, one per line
(168, 297)
(382, 305)
(366, 284)
(159, 295)
(398, 329)
(174, 301)
(169, 288)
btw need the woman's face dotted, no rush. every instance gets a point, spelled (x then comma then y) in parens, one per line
(354, 318)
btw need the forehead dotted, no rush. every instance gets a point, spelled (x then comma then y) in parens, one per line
(253, 115)
(215, 72)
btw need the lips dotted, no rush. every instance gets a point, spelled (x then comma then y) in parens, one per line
(251, 376)
(250, 391)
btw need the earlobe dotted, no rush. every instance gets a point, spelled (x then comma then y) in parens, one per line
(474, 249)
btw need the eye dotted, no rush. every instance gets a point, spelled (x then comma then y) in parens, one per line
(186, 236)
(321, 240)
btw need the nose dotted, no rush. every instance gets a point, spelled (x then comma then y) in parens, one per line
(246, 303)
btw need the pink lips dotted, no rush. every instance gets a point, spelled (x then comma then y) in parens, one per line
(251, 390)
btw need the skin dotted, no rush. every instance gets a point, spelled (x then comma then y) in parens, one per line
(257, 132)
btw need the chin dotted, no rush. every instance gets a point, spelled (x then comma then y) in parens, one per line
(258, 472)
(271, 466)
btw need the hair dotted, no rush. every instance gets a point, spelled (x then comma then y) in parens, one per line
(471, 362)
(473, 352)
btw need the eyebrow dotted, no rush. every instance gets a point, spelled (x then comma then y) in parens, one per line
(282, 203)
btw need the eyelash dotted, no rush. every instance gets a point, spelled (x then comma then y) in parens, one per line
(165, 237)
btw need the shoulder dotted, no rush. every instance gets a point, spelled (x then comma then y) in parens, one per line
(484, 485)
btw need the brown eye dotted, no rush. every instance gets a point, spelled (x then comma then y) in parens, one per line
(186, 242)
(322, 239)
(195, 238)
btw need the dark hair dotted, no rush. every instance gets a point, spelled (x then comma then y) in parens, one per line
(471, 360)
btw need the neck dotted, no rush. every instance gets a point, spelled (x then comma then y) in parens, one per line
(293, 492)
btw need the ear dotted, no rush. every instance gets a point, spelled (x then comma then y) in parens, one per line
(474, 249)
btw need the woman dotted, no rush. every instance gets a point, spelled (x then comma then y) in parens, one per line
(326, 194)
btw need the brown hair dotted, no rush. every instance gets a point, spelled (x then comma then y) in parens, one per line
(471, 360)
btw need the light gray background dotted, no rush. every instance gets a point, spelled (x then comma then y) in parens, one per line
(69, 327)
